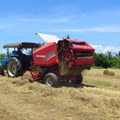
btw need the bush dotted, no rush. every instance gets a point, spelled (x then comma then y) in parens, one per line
(107, 60)
(1, 56)
(101, 60)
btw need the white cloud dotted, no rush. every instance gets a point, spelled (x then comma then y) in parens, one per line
(3, 51)
(4, 26)
(56, 20)
(94, 29)
(104, 49)
(15, 20)
(105, 29)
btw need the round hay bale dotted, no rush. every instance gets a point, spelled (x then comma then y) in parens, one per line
(106, 72)
(109, 73)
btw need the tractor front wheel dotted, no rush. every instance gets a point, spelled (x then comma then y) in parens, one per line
(51, 80)
(14, 67)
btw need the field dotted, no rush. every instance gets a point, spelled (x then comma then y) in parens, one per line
(98, 98)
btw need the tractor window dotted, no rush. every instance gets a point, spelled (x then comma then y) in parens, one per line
(27, 51)
(78, 43)
(15, 52)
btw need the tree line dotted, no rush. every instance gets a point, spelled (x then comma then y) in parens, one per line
(1, 56)
(107, 60)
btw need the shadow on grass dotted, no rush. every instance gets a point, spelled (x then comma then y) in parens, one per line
(69, 84)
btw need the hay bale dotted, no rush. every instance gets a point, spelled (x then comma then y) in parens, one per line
(109, 73)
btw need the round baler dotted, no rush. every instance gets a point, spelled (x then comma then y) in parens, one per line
(65, 60)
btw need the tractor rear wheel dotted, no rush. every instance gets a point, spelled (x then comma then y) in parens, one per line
(51, 80)
(14, 67)
(1, 69)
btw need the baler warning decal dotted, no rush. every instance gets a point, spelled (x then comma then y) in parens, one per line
(47, 56)
(40, 55)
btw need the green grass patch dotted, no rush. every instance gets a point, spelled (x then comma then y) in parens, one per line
(97, 67)
(104, 83)
(114, 67)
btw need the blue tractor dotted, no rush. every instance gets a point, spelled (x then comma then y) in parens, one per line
(16, 61)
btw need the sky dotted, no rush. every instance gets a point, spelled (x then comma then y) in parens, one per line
(95, 21)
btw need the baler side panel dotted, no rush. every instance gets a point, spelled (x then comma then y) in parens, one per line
(84, 61)
(46, 55)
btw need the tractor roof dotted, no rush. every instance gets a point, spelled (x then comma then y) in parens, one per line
(21, 45)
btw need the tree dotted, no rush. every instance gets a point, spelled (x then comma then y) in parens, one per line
(118, 54)
(101, 60)
(2, 55)
(68, 37)
(109, 55)
(117, 61)
(107, 60)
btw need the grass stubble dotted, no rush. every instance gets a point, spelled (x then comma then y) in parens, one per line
(97, 99)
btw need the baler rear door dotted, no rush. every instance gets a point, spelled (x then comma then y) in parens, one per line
(48, 38)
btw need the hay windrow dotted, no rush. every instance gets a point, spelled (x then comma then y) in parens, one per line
(94, 99)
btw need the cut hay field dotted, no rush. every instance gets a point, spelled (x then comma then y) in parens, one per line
(98, 98)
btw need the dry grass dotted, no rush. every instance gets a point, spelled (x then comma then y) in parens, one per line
(96, 77)
(97, 99)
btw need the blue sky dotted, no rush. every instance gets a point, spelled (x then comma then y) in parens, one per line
(95, 21)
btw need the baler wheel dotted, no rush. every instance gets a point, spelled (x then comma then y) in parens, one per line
(51, 80)
(14, 67)
(31, 80)
(78, 80)
(1, 69)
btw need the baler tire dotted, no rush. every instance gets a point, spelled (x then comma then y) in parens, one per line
(51, 80)
(78, 80)
(31, 80)
(14, 67)
(1, 70)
